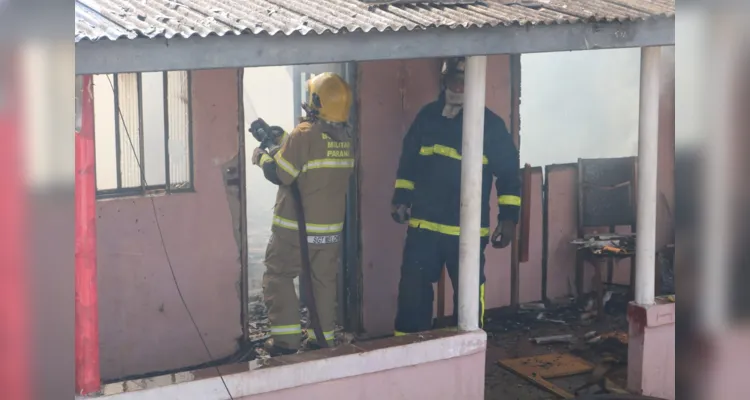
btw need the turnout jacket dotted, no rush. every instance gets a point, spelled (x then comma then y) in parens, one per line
(429, 172)
(321, 161)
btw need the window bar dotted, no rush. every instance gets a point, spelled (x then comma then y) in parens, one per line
(118, 155)
(297, 94)
(165, 82)
(141, 136)
(305, 95)
(191, 183)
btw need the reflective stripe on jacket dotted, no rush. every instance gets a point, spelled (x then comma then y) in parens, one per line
(429, 171)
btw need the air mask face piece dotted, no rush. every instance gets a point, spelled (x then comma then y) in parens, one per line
(454, 98)
(454, 102)
(454, 94)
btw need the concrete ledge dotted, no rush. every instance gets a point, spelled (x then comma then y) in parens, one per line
(305, 369)
(662, 313)
(651, 349)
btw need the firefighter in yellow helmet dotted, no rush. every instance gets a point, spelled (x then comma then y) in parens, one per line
(318, 156)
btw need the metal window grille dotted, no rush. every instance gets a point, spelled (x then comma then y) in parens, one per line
(144, 137)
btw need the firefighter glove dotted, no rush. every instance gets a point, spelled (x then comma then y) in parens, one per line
(400, 213)
(504, 234)
(257, 154)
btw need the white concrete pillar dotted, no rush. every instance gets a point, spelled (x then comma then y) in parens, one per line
(471, 192)
(648, 144)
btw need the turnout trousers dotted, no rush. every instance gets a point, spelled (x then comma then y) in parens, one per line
(283, 264)
(425, 254)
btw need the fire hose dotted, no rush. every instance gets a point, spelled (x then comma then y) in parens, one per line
(306, 276)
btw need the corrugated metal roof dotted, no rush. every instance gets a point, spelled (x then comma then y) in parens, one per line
(115, 19)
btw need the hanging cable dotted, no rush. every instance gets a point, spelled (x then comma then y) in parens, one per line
(161, 237)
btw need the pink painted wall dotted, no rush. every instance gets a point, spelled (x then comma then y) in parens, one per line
(390, 95)
(562, 229)
(531, 271)
(143, 324)
(456, 378)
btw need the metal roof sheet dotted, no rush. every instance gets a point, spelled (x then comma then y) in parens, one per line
(116, 19)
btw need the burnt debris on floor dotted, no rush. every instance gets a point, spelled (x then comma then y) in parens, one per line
(565, 327)
(568, 312)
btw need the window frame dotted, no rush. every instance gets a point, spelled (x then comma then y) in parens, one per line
(144, 189)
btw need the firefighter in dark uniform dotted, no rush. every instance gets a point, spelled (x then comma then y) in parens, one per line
(427, 197)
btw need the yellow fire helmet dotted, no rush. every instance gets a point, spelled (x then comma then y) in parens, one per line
(330, 96)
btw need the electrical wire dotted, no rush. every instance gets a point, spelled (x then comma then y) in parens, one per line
(163, 244)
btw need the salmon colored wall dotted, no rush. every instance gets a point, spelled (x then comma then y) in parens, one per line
(390, 95)
(562, 211)
(143, 324)
(531, 271)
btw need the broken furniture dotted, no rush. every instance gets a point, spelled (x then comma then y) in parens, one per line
(606, 200)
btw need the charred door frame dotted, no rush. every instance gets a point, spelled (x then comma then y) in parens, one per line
(242, 163)
(351, 303)
(515, 131)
